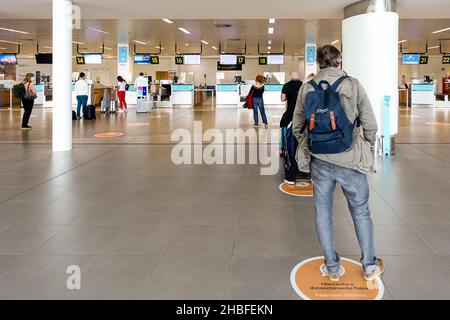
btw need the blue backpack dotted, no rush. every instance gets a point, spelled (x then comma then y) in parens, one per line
(329, 129)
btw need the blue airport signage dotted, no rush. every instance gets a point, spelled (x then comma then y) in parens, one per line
(311, 54)
(122, 53)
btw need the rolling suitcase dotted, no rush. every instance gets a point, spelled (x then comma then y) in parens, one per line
(291, 171)
(90, 113)
(142, 106)
(74, 115)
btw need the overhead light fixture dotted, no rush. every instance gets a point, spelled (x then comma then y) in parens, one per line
(12, 42)
(184, 30)
(214, 48)
(98, 30)
(272, 20)
(442, 30)
(107, 48)
(403, 41)
(186, 44)
(268, 52)
(336, 41)
(76, 42)
(13, 30)
(435, 47)
(2, 48)
(140, 42)
(167, 20)
(271, 30)
(204, 42)
(47, 47)
(158, 47)
(269, 42)
(269, 47)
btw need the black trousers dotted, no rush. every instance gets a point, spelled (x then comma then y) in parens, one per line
(28, 108)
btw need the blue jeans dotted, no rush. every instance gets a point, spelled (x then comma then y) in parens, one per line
(356, 190)
(81, 102)
(258, 104)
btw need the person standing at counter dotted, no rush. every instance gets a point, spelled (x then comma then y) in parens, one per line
(28, 99)
(121, 93)
(257, 91)
(82, 93)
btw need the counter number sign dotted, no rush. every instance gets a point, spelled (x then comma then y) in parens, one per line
(240, 60)
(80, 60)
(424, 60)
(179, 60)
(446, 59)
(262, 61)
(155, 59)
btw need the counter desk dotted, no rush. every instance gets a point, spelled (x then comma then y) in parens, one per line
(228, 96)
(182, 95)
(423, 95)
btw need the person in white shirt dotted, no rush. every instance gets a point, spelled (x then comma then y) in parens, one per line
(141, 81)
(82, 92)
(121, 93)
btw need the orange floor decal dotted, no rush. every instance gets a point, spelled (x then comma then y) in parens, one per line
(310, 284)
(302, 188)
(438, 124)
(109, 135)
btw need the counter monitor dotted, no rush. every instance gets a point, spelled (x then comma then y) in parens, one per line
(411, 59)
(275, 59)
(228, 59)
(192, 59)
(8, 58)
(44, 58)
(92, 58)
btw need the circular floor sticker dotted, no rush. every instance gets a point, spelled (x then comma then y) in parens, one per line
(302, 188)
(138, 124)
(311, 284)
(109, 135)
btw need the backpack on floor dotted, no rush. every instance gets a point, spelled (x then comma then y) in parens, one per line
(329, 129)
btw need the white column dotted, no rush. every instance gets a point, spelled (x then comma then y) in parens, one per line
(370, 54)
(62, 75)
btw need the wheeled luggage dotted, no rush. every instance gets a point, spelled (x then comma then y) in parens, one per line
(143, 105)
(290, 144)
(90, 113)
(74, 115)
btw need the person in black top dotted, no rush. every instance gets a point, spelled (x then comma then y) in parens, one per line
(290, 93)
(258, 102)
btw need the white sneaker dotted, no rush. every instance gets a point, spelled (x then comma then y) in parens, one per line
(334, 277)
(379, 270)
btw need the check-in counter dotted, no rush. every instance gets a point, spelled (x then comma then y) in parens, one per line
(227, 96)
(182, 95)
(131, 96)
(272, 96)
(423, 95)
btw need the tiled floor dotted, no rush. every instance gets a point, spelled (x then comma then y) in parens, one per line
(141, 227)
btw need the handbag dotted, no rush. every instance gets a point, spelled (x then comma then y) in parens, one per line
(249, 103)
(30, 95)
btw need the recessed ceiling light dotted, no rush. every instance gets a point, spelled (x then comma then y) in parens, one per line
(204, 42)
(13, 30)
(98, 30)
(167, 20)
(271, 30)
(336, 41)
(214, 48)
(268, 52)
(12, 42)
(403, 41)
(184, 30)
(269, 47)
(442, 30)
(186, 44)
(269, 42)
(435, 47)
(272, 20)
(140, 42)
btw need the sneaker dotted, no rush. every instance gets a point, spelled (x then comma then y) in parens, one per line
(289, 182)
(256, 125)
(266, 126)
(378, 271)
(26, 127)
(334, 277)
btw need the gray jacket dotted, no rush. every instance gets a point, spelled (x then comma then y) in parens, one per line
(356, 105)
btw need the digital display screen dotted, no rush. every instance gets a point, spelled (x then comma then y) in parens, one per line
(80, 60)
(411, 59)
(142, 59)
(262, 61)
(275, 59)
(228, 59)
(192, 59)
(446, 59)
(179, 60)
(93, 58)
(44, 58)
(424, 60)
(7, 58)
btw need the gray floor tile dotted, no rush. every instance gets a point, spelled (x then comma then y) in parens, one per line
(203, 240)
(437, 237)
(188, 277)
(261, 278)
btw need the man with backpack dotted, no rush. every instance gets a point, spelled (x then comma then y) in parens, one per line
(334, 112)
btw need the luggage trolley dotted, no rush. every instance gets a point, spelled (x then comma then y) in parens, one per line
(143, 103)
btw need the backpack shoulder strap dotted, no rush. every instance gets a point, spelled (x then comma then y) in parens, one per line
(338, 82)
(315, 85)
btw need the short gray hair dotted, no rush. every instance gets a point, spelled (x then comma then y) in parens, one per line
(328, 56)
